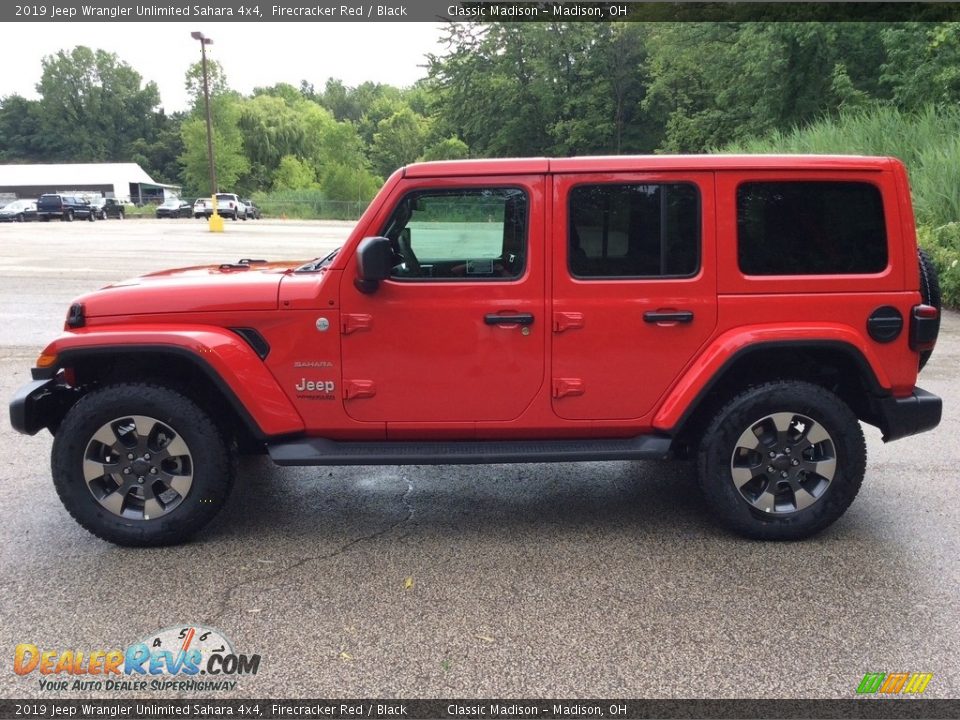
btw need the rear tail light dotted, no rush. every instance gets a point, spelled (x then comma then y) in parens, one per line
(924, 327)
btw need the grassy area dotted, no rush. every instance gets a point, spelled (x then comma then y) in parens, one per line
(928, 143)
(132, 211)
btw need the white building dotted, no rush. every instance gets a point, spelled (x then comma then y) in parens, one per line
(124, 181)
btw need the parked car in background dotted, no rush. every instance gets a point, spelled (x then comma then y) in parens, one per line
(19, 211)
(253, 212)
(174, 208)
(65, 207)
(228, 206)
(109, 208)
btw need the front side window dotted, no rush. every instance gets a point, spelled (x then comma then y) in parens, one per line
(634, 231)
(461, 234)
(810, 228)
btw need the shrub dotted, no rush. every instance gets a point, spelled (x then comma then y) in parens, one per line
(943, 245)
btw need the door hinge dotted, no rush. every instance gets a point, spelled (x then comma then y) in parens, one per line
(567, 387)
(567, 321)
(355, 389)
(351, 322)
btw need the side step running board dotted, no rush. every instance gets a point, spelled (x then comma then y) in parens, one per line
(320, 451)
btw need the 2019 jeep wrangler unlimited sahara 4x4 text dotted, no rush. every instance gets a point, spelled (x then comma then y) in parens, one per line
(746, 311)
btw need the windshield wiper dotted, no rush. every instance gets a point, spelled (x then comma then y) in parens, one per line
(318, 263)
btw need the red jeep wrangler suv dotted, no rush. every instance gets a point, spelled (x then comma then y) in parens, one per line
(746, 311)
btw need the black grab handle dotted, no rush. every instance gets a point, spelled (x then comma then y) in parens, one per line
(519, 319)
(655, 316)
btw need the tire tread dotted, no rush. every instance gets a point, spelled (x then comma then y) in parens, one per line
(216, 483)
(725, 501)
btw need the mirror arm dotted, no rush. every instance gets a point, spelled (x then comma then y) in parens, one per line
(367, 287)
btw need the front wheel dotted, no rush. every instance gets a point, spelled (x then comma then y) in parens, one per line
(141, 465)
(782, 461)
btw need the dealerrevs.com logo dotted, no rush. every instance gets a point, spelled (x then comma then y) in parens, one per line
(178, 658)
(894, 683)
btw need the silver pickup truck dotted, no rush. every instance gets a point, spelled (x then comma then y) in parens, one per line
(228, 205)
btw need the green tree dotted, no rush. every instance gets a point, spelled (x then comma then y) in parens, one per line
(399, 140)
(230, 160)
(451, 148)
(922, 63)
(348, 183)
(216, 80)
(93, 106)
(293, 174)
(714, 83)
(21, 136)
(160, 154)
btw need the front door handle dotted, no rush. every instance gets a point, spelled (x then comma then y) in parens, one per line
(515, 319)
(668, 316)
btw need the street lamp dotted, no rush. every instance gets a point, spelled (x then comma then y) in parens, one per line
(216, 222)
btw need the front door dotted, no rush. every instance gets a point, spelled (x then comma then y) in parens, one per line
(634, 288)
(457, 333)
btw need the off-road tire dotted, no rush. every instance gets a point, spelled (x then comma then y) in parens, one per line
(929, 292)
(213, 461)
(720, 441)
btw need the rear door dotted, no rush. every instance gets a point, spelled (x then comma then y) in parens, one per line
(634, 283)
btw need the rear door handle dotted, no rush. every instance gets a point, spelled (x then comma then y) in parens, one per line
(665, 316)
(516, 319)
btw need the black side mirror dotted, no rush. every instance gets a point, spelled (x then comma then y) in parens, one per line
(374, 263)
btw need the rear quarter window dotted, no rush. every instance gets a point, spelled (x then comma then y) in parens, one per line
(810, 228)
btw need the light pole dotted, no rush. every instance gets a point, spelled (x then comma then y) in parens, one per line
(216, 222)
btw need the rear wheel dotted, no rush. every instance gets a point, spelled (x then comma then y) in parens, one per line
(782, 461)
(141, 465)
(68, 216)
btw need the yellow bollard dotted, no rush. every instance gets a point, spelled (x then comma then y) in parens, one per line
(216, 221)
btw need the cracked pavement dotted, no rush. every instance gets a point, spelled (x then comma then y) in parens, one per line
(576, 580)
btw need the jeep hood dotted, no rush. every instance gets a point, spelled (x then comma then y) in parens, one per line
(209, 288)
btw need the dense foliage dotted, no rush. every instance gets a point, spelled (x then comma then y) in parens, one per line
(517, 89)
(495, 90)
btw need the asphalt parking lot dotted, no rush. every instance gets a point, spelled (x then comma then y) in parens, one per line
(579, 580)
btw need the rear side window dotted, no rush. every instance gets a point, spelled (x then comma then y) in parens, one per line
(810, 228)
(634, 231)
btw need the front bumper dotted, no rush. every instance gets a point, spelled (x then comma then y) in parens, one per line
(901, 417)
(39, 404)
